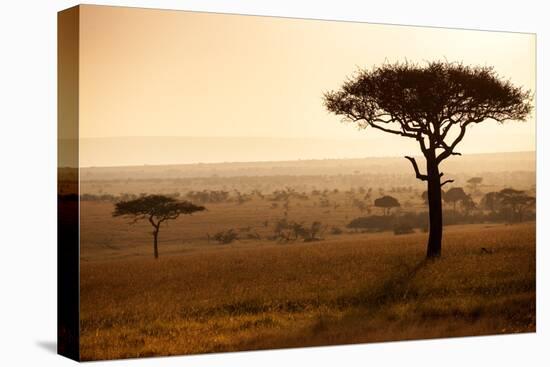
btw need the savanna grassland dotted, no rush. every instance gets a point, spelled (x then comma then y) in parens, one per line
(343, 285)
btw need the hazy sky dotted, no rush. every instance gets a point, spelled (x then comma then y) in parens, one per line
(175, 73)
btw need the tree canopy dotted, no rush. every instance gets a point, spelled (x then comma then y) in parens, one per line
(475, 180)
(157, 208)
(387, 203)
(426, 102)
(454, 195)
(516, 200)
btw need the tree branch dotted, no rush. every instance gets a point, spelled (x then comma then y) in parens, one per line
(444, 145)
(136, 219)
(416, 170)
(449, 148)
(446, 182)
(156, 225)
(391, 131)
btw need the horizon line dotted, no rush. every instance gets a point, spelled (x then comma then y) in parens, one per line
(289, 161)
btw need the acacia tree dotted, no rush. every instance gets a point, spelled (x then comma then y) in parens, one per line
(517, 201)
(387, 203)
(454, 195)
(474, 182)
(156, 209)
(434, 105)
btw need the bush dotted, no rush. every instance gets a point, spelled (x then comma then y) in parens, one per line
(403, 228)
(376, 223)
(253, 236)
(286, 231)
(226, 237)
(373, 222)
(336, 230)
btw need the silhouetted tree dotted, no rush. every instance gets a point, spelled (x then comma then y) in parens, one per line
(314, 232)
(387, 203)
(491, 201)
(156, 209)
(474, 182)
(455, 195)
(283, 230)
(433, 104)
(468, 204)
(517, 201)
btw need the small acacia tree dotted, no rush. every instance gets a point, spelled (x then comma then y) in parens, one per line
(517, 201)
(156, 209)
(387, 203)
(455, 195)
(434, 105)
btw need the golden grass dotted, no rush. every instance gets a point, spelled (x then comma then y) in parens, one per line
(258, 294)
(103, 237)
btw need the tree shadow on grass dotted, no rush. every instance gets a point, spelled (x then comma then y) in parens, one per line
(393, 289)
(363, 315)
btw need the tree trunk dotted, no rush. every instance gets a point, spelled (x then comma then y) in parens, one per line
(155, 243)
(436, 211)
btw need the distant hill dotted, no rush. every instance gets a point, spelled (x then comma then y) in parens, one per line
(138, 151)
(470, 164)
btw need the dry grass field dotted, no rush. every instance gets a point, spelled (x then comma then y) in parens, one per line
(258, 292)
(350, 288)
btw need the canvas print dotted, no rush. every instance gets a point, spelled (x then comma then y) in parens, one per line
(232, 182)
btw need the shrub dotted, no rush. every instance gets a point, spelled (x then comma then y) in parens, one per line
(336, 230)
(286, 230)
(403, 228)
(226, 237)
(373, 222)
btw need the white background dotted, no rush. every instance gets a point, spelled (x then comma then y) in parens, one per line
(28, 185)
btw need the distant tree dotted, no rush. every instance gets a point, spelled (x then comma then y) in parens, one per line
(517, 201)
(297, 229)
(226, 237)
(474, 182)
(387, 203)
(208, 196)
(283, 230)
(314, 232)
(433, 105)
(455, 195)
(241, 198)
(468, 204)
(258, 193)
(491, 201)
(156, 209)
